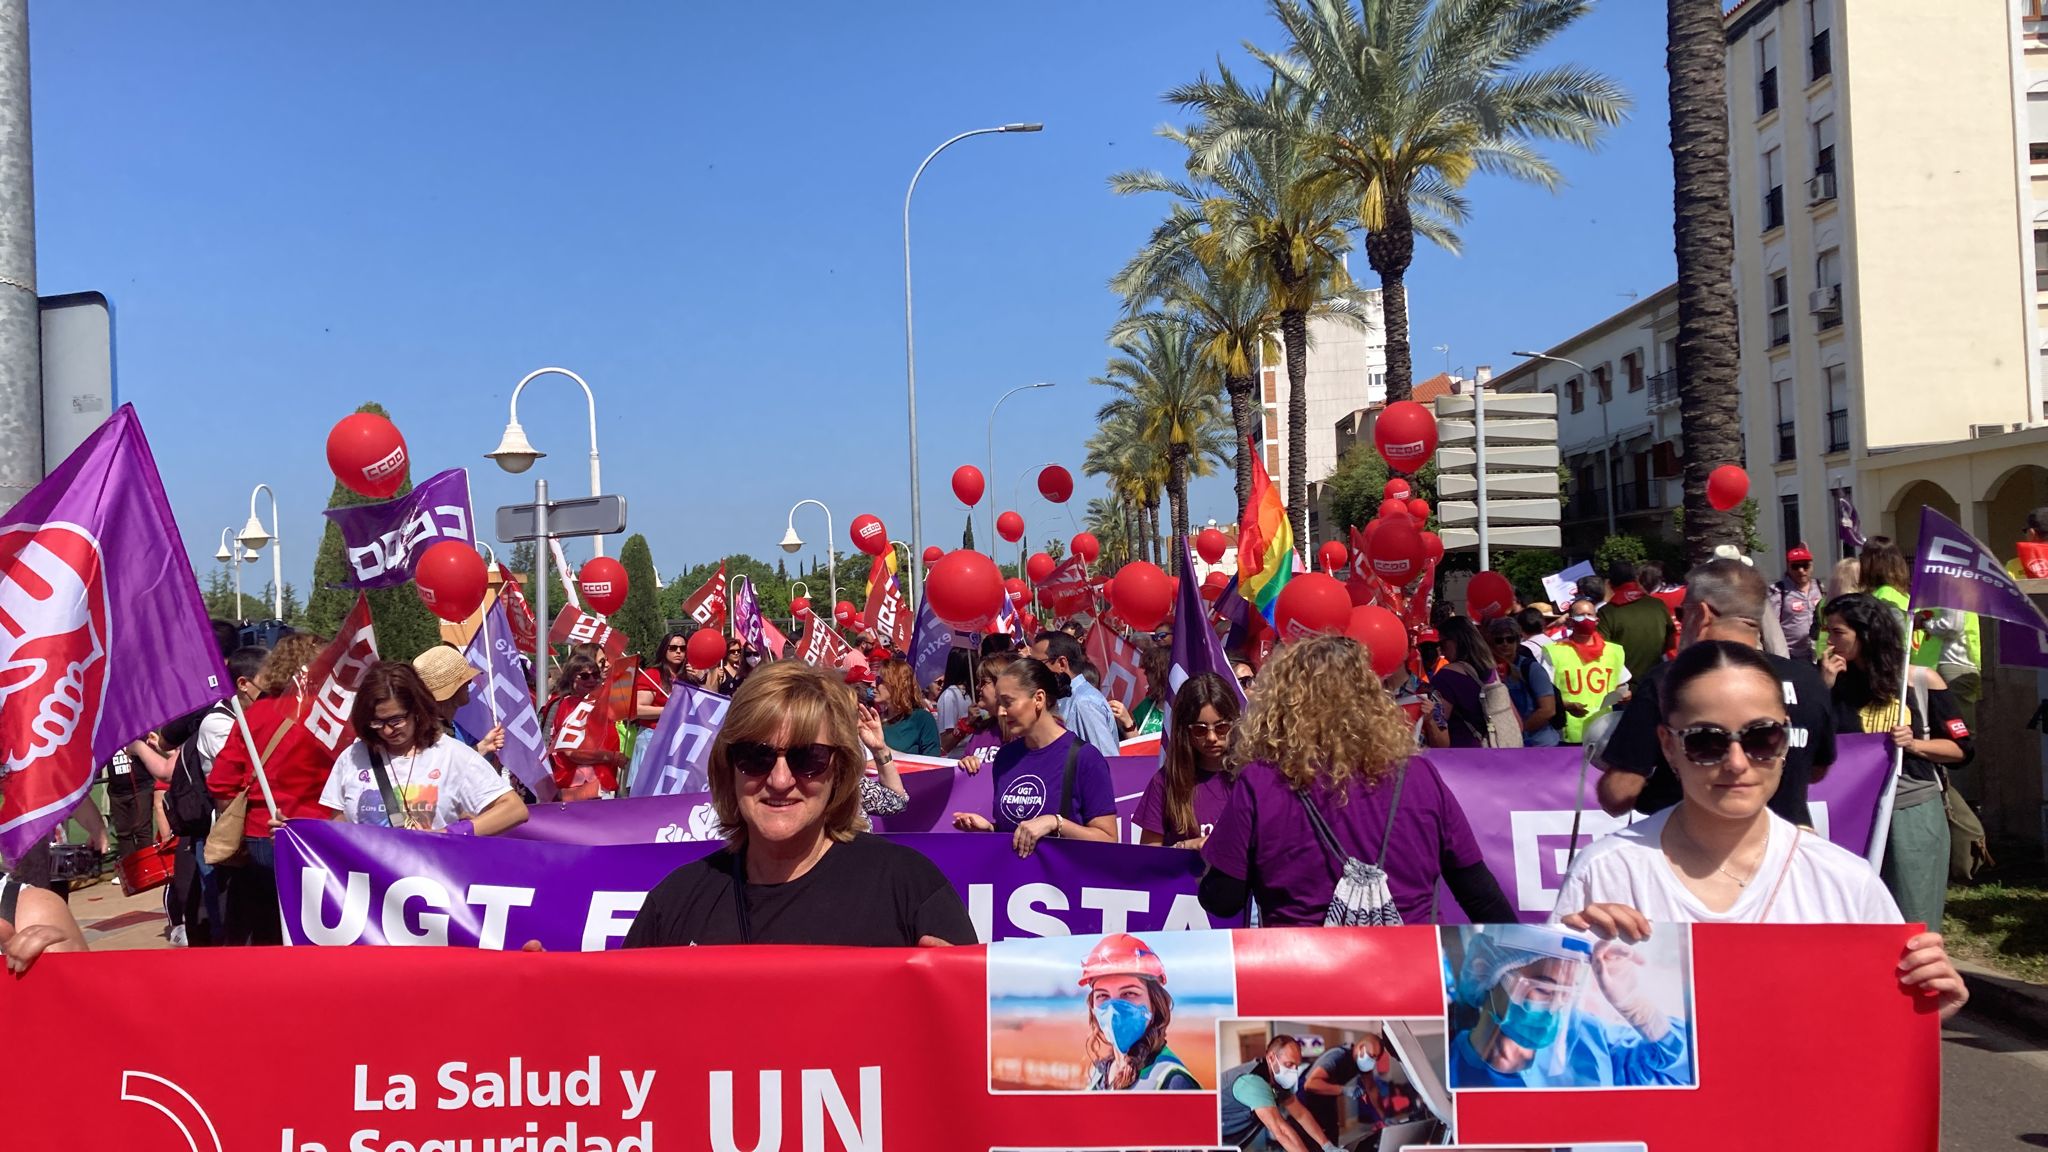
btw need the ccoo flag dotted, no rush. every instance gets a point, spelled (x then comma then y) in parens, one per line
(1953, 570)
(91, 565)
(1265, 543)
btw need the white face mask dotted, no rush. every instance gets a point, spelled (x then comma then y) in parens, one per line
(1287, 1076)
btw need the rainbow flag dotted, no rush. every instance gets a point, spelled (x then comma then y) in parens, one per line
(1265, 543)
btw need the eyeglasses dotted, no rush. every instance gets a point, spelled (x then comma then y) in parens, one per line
(806, 761)
(1221, 729)
(389, 723)
(678, 648)
(1762, 741)
(1801, 564)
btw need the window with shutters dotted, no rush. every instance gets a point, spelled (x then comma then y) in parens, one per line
(1767, 73)
(1774, 189)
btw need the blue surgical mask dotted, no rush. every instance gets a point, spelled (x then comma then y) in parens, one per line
(1533, 1026)
(1123, 1022)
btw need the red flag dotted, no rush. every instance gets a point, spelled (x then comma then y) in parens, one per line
(822, 644)
(887, 615)
(1123, 674)
(327, 688)
(518, 613)
(777, 642)
(707, 604)
(583, 747)
(1067, 590)
(575, 626)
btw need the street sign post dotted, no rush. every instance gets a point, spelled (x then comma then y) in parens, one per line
(589, 516)
(1500, 450)
(78, 370)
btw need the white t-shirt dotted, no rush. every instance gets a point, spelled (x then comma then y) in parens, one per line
(438, 785)
(1824, 884)
(953, 706)
(214, 730)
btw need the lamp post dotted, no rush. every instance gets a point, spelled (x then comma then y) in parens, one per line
(797, 590)
(791, 542)
(909, 338)
(1606, 448)
(516, 455)
(992, 451)
(231, 552)
(254, 537)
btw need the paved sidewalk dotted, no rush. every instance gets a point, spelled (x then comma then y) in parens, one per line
(113, 921)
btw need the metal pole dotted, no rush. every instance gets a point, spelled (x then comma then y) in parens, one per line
(991, 496)
(21, 340)
(238, 550)
(590, 403)
(1479, 470)
(276, 549)
(541, 560)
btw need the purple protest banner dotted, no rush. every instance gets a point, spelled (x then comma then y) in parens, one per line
(681, 752)
(1955, 570)
(103, 635)
(1520, 804)
(931, 641)
(1196, 647)
(500, 696)
(344, 884)
(746, 617)
(2021, 646)
(384, 541)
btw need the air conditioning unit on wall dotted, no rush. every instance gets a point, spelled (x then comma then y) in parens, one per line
(1824, 301)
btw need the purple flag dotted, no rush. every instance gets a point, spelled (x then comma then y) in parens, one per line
(1848, 525)
(91, 565)
(746, 617)
(931, 639)
(681, 753)
(500, 696)
(384, 541)
(2021, 646)
(1196, 648)
(1953, 570)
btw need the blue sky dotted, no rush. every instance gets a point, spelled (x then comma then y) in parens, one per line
(295, 208)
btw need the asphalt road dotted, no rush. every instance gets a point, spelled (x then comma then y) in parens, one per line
(1994, 1087)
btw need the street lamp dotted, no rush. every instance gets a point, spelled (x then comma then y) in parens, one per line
(992, 453)
(791, 542)
(909, 340)
(515, 454)
(235, 554)
(253, 537)
(1606, 448)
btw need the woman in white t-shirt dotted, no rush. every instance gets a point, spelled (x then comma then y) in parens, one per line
(1721, 856)
(402, 773)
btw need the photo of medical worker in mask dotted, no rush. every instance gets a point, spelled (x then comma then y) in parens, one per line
(1259, 1103)
(1547, 1008)
(1129, 1010)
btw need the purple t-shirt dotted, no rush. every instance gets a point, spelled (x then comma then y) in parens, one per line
(1264, 836)
(1211, 792)
(985, 741)
(1028, 783)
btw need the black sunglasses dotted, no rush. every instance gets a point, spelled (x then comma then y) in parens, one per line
(806, 761)
(1762, 741)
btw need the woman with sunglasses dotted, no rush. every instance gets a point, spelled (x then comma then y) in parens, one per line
(1048, 781)
(1185, 798)
(406, 772)
(1721, 855)
(796, 868)
(583, 752)
(657, 681)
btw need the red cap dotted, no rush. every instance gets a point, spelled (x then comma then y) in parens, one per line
(1427, 636)
(859, 674)
(878, 654)
(1799, 555)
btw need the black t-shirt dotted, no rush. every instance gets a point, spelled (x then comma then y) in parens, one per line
(1634, 747)
(866, 892)
(1943, 721)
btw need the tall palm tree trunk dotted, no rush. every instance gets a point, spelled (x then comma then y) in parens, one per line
(1294, 334)
(1177, 496)
(1152, 527)
(1134, 532)
(1708, 410)
(1244, 414)
(1390, 251)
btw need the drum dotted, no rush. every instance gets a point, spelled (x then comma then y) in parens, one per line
(147, 868)
(69, 862)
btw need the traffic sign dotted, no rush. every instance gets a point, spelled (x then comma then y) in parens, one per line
(1498, 484)
(1518, 536)
(1501, 451)
(1529, 456)
(1503, 405)
(1499, 511)
(78, 370)
(1498, 431)
(589, 516)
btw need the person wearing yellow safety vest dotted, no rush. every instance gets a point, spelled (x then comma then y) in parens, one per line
(1586, 667)
(1950, 642)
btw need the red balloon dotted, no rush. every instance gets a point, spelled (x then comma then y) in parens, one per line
(1216, 580)
(869, 536)
(968, 484)
(1212, 592)
(1432, 548)
(965, 589)
(1010, 526)
(1027, 621)
(1390, 508)
(1333, 555)
(1056, 484)
(1397, 550)
(1020, 592)
(451, 580)
(857, 622)
(1405, 435)
(1489, 596)
(842, 612)
(603, 581)
(1727, 486)
(1039, 567)
(932, 552)
(798, 605)
(367, 454)
(1419, 508)
(1397, 489)
(1086, 546)
(1383, 635)
(704, 649)
(1210, 544)
(1311, 603)
(1142, 594)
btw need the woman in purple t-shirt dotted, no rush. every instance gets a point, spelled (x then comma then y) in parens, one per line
(986, 736)
(1186, 795)
(1320, 727)
(1033, 799)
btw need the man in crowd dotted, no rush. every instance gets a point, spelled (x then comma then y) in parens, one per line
(1635, 619)
(1795, 601)
(1586, 667)
(1724, 600)
(1086, 712)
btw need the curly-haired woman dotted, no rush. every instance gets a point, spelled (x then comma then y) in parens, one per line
(1320, 732)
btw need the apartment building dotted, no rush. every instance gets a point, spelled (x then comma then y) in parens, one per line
(1347, 370)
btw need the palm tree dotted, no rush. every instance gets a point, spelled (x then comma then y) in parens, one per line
(1172, 393)
(1407, 99)
(1136, 470)
(1267, 212)
(1696, 55)
(1107, 521)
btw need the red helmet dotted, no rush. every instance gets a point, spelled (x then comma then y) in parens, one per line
(1122, 955)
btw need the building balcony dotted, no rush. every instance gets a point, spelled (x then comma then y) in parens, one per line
(1664, 390)
(1788, 441)
(1838, 430)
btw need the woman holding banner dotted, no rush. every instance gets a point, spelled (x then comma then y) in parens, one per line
(1310, 756)
(1721, 856)
(796, 869)
(983, 734)
(1048, 781)
(582, 743)
(297, 768)
(1187, 795)
(403, 773)
(1129, 1010)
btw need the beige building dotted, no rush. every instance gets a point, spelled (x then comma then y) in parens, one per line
(1347, 370)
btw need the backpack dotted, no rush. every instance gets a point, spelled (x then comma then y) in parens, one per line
(1362, 897)
(1525, 660)
(1503, 723)
(187, 804)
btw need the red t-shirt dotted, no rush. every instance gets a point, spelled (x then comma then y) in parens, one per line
(297, 768)
(651, 683)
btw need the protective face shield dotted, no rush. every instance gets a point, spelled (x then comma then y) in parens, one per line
(1123, 1022)
(1527, 980)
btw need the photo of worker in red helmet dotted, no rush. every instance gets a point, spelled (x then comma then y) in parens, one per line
(1115, 1013)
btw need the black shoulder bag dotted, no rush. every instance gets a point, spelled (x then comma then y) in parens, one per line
(1067, 778)
(393, 809)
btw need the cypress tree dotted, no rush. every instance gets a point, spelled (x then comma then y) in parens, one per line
(640, 617)
(404, 626)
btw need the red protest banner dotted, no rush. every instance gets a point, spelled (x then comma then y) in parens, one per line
(888, 617)
(647, 1061)
(575, 626)
(525, 629)
(822, 644)
(1123, 673)
(1067, 590)
(707, 605)
(329, 684)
